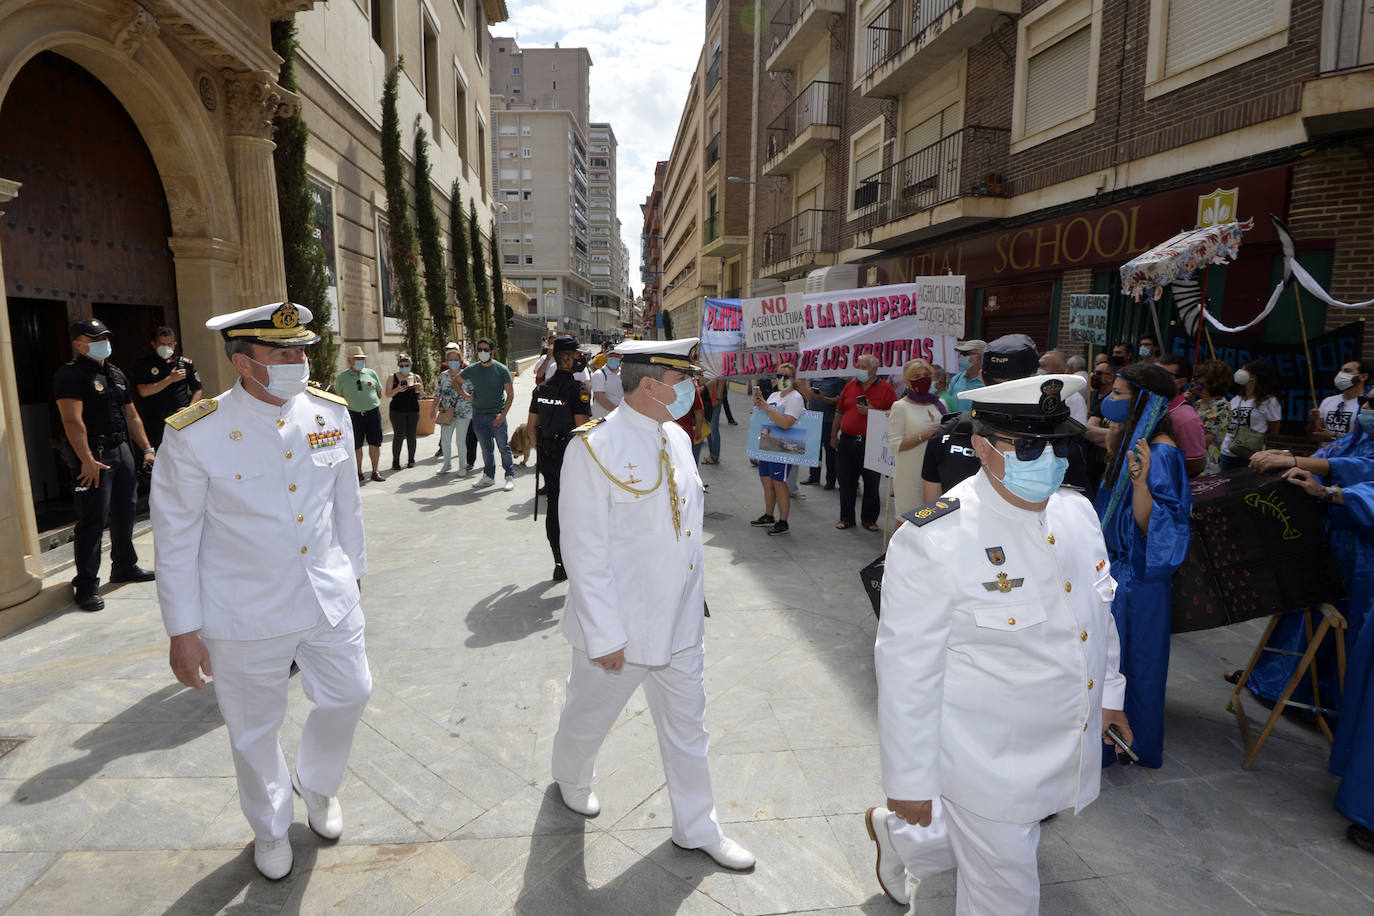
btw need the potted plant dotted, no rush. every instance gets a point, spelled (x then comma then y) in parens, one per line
(993, 181)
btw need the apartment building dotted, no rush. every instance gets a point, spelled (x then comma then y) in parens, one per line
(606, 249)
(651, 255)
(540, 110)
(1036, 145)
(344, 53)
(706, 209)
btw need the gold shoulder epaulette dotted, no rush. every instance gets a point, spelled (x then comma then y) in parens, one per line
(188, 415)
(325, 395)
(588, 426)
(936, 508)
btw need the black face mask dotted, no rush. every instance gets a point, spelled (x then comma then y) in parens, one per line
(1116, 360)
(579, 364)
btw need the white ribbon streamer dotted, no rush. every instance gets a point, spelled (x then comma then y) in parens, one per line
(1307, 281)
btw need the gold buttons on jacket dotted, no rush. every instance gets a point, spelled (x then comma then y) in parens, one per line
(1090, 683)
(689, 532)
(1011, 621)
(238, 476)
(1068, 586)
(1083, 637)
(1085, 726)
(1050, 539)
(684, 500)
(292, 488)
(691, 566)
(300, 518)
(280, 422)
(288, 453)
(304, 549)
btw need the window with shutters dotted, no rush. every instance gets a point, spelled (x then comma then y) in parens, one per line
(1191, 40)
(865, 162)
(1056, 71)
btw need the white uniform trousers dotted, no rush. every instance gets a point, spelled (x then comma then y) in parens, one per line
(251, 678)
(676, 694)
(998, 872)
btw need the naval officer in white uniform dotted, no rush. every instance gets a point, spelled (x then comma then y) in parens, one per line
(256, 514)
(632, 548)
(995, 686)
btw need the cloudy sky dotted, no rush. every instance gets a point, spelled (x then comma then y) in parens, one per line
(643, 53)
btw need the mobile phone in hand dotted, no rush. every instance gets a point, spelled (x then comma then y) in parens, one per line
(1125, 748)
(861, 400)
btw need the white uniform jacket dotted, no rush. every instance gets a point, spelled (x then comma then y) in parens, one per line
(635, 580)
(257, 518)
(996, 652)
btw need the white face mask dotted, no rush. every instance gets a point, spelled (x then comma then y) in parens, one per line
(484, 355)
(1242, 377)
(284, 380)
(165, 352)
(1344, 380)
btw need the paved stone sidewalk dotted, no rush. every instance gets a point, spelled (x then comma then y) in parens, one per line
(122, 800)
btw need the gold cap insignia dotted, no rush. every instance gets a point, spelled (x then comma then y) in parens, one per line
(286, 316)
(235, 435)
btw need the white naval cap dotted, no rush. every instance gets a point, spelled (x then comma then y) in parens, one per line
(1033, 406)
(675, 354)
(278, 324)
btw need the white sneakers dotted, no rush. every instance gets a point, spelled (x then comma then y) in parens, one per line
(583, 801)
(324, 813)
(445, 469)
(509, 484)
(463, 472)
(273, 858)
(483, 481)
(892, 876)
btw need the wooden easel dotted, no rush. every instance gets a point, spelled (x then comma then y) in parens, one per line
(1332, 619)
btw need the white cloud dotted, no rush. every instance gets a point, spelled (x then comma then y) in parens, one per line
(643, 54)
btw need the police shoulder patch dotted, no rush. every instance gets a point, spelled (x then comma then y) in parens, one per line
(938, 508)
(188, 415)
(325, 395)
(588, 426)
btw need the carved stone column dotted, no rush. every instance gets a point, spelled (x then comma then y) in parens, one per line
(21, 565)
(254, 99)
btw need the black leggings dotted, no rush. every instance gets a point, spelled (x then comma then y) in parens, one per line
(403, 427)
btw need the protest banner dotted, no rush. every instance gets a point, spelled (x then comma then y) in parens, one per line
(773, 321)
(1088, 319)
(798, 444)
(720, 334)
(877, 451)
(882, 321)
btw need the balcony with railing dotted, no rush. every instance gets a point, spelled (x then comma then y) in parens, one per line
(808, 123)
(806, 240)
(715, 242)
(1341, 99)
(910, 39)
(713, 151)
(794, 28)
(713, 72)
(956, 181)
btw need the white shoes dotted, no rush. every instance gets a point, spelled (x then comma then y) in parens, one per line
(463, 472)
(483, 481)
(445, 469)
(273, 858)
(323, 812)
(509, 484)
(583, 801)
(892, 876)
(727, 854)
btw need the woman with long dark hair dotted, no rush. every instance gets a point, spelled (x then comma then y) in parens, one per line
(1252, 412)
(1144, 504)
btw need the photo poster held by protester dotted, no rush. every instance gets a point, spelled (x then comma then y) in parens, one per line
(1329, 351)
(799, 444)
(878, 455)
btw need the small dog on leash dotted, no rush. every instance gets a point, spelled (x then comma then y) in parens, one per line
(520, 444)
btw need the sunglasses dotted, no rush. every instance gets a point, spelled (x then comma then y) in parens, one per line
(483, 350)
(1031, 449)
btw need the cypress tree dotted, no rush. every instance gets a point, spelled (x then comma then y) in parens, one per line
(307, 282)
(462, 260)
(498, 298)
(432, 254)
(480, 288)
(403, 259)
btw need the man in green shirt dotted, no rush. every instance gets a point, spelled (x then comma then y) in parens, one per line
(493, 395)
(362, 389)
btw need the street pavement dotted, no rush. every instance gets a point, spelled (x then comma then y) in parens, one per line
(120, 797)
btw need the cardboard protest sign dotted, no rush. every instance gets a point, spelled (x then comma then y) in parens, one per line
(940, 306)
(878, 454)
(798, 444)
(773, 321)
(1088, 319)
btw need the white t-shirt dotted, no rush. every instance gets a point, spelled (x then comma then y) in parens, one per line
(606, 382)
(1338, 413)
(1078, 408)
(1244, 412)
(789, 404)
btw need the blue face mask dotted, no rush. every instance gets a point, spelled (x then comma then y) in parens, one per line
(1115, 409)
(685, 395)
(964, 363)
(99, 350)
(1366, 419)
(454, 365)
(1034, 481)
(861, 376)
(613, 363)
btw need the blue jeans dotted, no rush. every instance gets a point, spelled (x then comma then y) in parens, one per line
(713, 437)
(487, 430)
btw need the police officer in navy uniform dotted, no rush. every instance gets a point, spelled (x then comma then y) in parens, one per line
(167, 382)
(95, 400)
(560, 405)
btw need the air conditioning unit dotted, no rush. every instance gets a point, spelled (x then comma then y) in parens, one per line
(837, 276)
